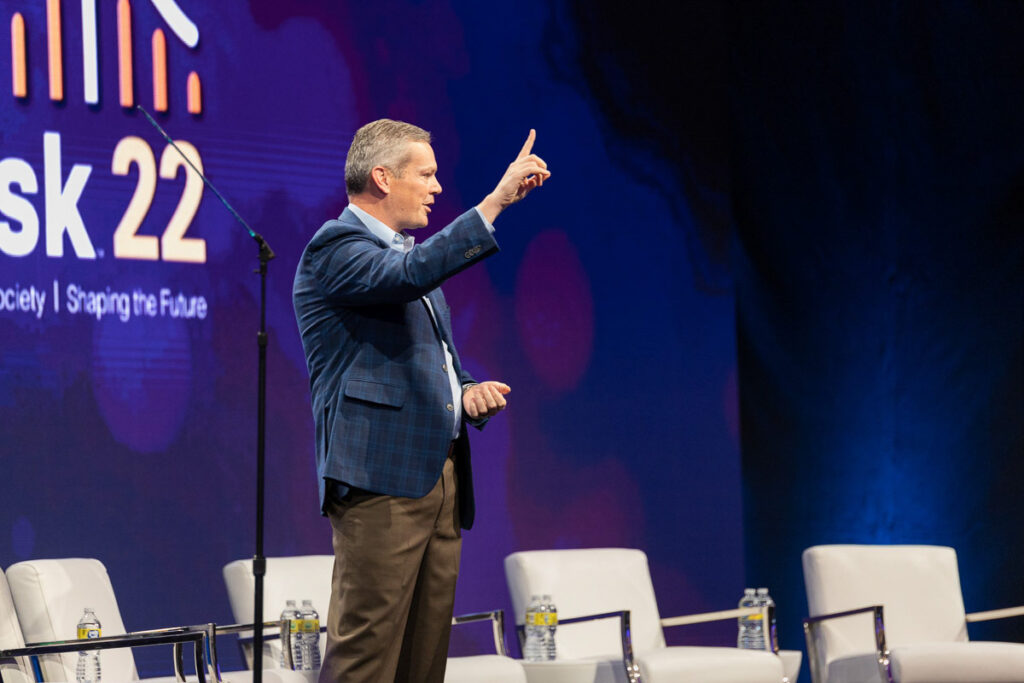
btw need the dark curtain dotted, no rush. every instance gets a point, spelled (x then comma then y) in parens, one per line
(866, 160)
(878, 197)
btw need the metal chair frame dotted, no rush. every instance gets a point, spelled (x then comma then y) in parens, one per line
(199, 636)
(628, 661)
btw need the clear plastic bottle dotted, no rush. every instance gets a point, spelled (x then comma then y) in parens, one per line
(88, 661)
(550, 626)
(751, 634)
(533, 649)
(765, 600)
(290, 613)
(309, 637)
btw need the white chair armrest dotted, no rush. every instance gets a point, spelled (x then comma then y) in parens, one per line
(995, 614)
(703, 617)
(767, 613)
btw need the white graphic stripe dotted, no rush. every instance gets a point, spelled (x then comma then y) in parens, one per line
(182, 26)
(90, 53)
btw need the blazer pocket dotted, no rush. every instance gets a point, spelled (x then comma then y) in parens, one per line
(375, 392)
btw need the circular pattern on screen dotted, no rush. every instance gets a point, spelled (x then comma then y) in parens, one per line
(555, 310)
(142, 380)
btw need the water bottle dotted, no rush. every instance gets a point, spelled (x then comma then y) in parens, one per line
(533, 650)
(751, 634)
(765, 600)
(309, 637)
(88, 661)
(290, 613)
(550, 625)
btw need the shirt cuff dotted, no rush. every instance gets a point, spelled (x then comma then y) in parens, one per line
(487, 223)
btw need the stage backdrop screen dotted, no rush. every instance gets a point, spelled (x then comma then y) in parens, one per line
(129, 305)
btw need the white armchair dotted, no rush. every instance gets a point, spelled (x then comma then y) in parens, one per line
(895, 614)
(20, 663)
(309, 577)
(287, 578)
(625, 643)
(49, 598)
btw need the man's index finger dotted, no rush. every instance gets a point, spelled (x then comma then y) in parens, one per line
(528, 145)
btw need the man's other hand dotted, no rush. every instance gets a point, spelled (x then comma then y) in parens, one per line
(484, 400)
(527, 172)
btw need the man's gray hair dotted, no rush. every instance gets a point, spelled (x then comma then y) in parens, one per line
(379, 143)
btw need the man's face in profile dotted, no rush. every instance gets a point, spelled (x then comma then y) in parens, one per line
(413, 189)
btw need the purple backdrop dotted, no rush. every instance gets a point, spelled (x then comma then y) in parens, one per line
(129, 434)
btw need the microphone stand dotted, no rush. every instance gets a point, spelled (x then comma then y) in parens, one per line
(259, 562)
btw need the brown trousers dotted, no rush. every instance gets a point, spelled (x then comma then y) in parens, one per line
(395, 565)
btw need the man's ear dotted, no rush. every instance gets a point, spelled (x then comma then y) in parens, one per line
(381, 179)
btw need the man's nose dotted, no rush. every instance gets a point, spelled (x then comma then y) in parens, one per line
(436, 188)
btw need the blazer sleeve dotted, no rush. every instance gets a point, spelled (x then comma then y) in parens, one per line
(351, 268)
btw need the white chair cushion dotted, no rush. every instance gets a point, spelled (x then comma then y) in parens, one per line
(10, 629)
(977, 662)
(10, 637)
(589, 581)
(710, 665)
(306, 577)
(50, 597)
(484, 669)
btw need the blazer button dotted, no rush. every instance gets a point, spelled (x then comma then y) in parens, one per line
(450, 407)
(444, 367)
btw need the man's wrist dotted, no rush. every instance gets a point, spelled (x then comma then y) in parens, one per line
(490, 207)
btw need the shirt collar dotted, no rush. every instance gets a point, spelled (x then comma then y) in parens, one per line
(399, 241)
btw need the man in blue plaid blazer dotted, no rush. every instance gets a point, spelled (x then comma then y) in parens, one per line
(390, 401)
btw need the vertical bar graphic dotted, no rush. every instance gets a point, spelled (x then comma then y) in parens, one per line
(159, 70)
(90, 53)
(19, 68)
(55, 46)
(124, 53)
(195, 94)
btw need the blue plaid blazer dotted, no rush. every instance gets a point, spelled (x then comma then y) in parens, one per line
(382, 401)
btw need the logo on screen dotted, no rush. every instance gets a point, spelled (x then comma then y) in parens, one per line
(179, 23)
(132, 155)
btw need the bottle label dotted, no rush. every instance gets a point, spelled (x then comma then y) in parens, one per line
(542, 619)
(293, 626)
(309, 625)
(85, 633)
